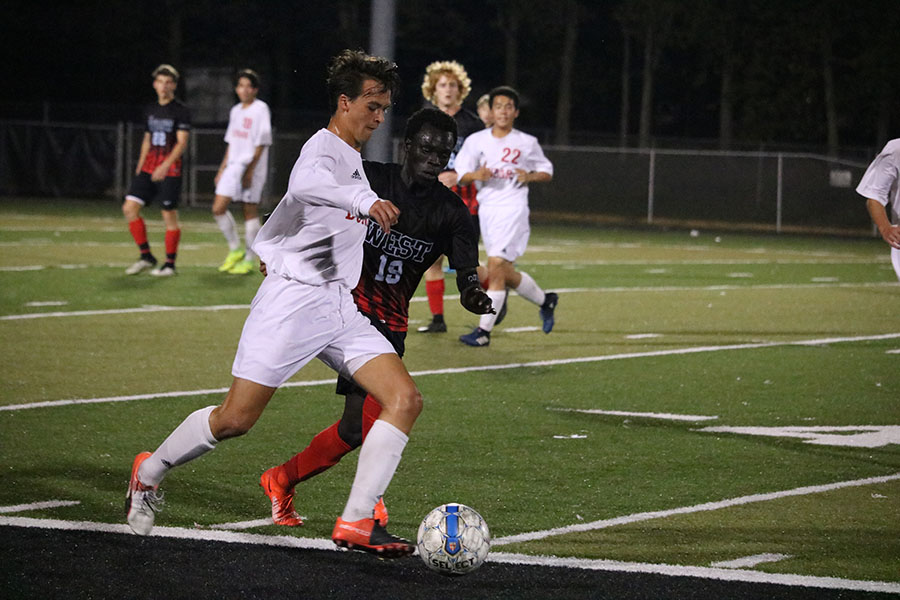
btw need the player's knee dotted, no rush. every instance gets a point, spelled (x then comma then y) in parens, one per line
(350, 431)
(409, 402)
(224, 425)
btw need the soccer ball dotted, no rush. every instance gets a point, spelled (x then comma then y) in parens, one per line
(453, 539)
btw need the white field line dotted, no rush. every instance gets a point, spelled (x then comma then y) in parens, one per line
(684, 510)
(750, 561)
(285, 541)
(242, 524)
(38, 506)
(639, 289)
(644, 415)
(471, 369)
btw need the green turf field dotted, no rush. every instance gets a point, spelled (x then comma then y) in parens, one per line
(765, 332)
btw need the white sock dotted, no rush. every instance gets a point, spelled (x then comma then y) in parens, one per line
(251, 228)
(378, 459)
(497, 297)
(191, 439)
(226, 223)
(530, 290)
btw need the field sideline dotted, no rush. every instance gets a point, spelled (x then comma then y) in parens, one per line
(718, 407)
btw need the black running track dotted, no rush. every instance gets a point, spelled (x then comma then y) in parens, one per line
(46, 564)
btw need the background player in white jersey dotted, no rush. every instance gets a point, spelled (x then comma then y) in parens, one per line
(304, 309)
(242, 174)
(881, 186)
(505, 160)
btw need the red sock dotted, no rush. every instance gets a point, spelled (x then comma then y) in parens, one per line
(371, 410)
(324, 451)
(435, 291)
(172, 238)
(138, 232)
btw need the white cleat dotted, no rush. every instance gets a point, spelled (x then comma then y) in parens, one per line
(164, 271)
(142, 502)
(141, 265)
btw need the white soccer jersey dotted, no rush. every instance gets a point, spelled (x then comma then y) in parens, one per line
(881, 181)
(315, 234)
(515, 150)
(248, 128)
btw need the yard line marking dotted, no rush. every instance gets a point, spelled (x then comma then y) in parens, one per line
(750, 561)
(848, 436)
(520, 329)
(646, 415)
(474, 368)
(637, 289)
(642, 336)
(243, 524)
(684, 510)
(286, 541)
(38, 506)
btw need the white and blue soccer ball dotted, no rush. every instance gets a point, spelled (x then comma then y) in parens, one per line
(453, 539)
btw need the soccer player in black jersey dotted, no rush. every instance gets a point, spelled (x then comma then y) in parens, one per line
(167, 125)
(433, 222)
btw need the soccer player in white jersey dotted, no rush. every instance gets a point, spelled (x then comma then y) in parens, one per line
(242, 174)
(880, 185)
(313, 248)
(505, 161)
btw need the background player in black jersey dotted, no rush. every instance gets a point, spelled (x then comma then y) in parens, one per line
(433, 222)
(167, 125)
(445, 86)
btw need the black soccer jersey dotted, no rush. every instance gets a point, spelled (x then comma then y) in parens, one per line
(163, 122)
(432, 223)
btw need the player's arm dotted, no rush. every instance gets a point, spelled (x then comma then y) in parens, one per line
(221, 167)
(463, 256)
(889, 233)
(181, 140)
(145, 150)
(482, 173)
(247, 179)
(532, 176)
(540, 168)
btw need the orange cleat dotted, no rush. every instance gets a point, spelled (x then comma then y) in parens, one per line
(282, 499)
(381, 514)
(368, 536)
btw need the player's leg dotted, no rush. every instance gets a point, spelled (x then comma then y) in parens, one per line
(251, 227)
(227, 189)
(225, 221)
(141, 187)
(169, 194)
(195, 436)
(434, 289)
(388, 381)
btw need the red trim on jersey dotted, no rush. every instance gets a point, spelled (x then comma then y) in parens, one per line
(469, 196)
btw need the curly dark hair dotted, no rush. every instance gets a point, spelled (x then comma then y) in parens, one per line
(349, 69)
(430, 116)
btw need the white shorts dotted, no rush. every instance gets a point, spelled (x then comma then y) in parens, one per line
(230, 184)
(504, 230)
(290, 323)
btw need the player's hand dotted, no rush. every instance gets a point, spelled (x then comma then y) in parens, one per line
(217, 178)
(262, 268)
(483, 173)
(159, 173)
(891, 235)
(385, 214)
(247, 179)
(476, 301)
(449, 178)
(522, 176)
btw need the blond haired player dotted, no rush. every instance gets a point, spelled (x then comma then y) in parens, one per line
(505, 160)
(242, 174)
(880, 185)
(312, 245)
(445, 85)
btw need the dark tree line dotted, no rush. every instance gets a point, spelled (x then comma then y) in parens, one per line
(732, 73)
